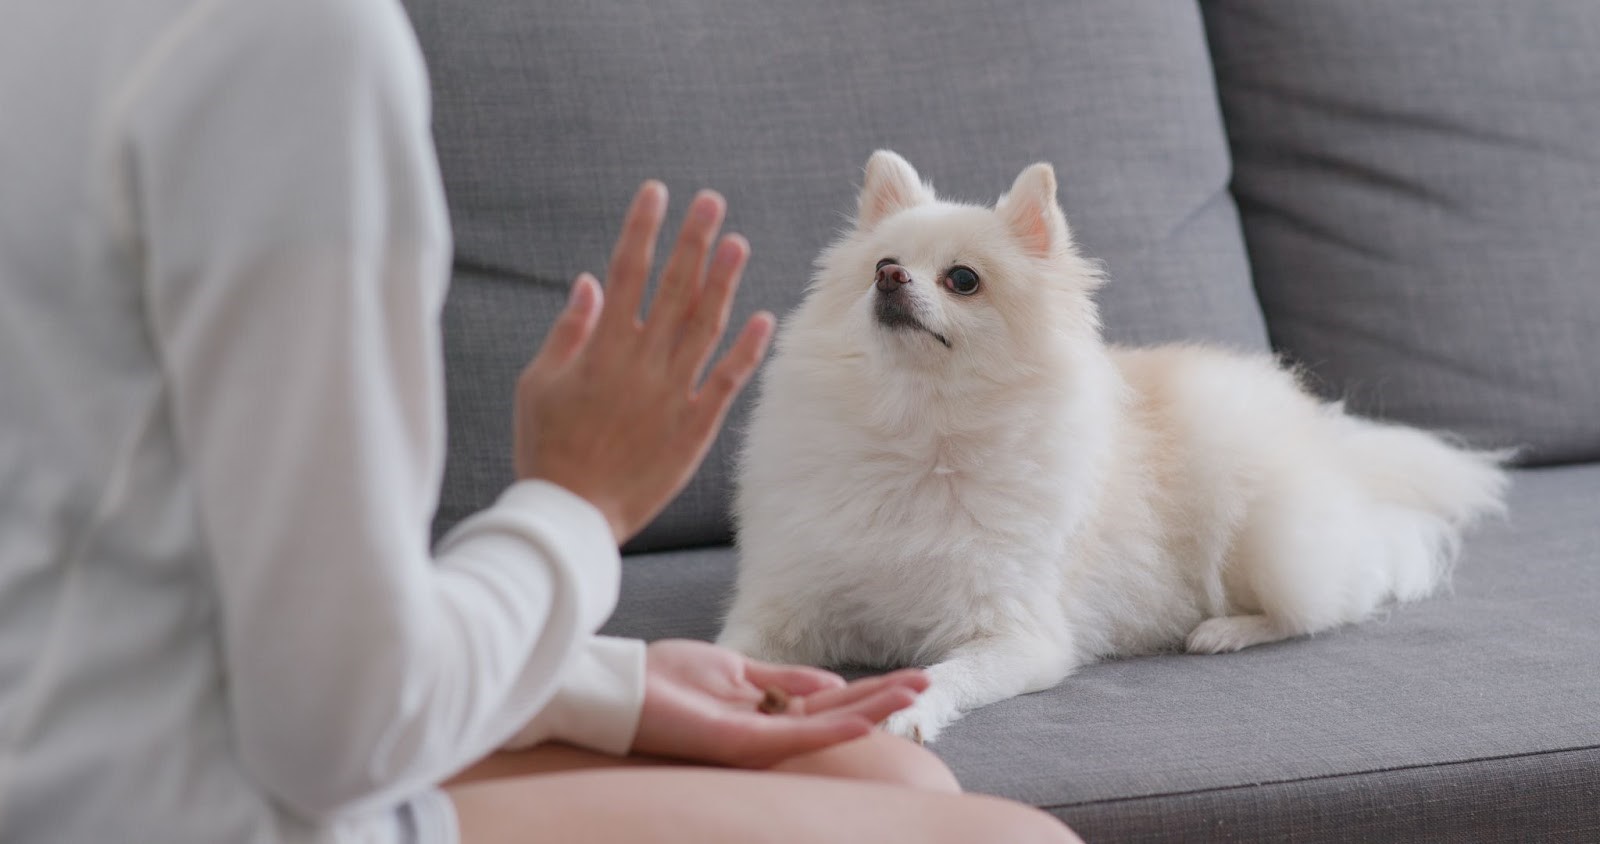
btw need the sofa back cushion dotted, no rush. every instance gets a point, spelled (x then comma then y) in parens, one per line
(1420, 189)
(548, 115)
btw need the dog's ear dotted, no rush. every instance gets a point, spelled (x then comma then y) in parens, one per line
(1032, 214)
(891, 185)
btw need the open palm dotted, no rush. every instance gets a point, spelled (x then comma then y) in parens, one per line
(701, 704)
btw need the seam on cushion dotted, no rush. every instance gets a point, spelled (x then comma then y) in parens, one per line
(1290, 781)
(502, 272)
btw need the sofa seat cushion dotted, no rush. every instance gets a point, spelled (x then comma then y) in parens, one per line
(1420, 189)
(1467, 714)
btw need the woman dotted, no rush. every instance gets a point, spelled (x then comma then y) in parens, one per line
(223, 250)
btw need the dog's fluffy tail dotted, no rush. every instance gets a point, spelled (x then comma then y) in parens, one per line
(1427, 491)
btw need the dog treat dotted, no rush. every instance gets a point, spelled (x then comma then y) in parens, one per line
(774, 702)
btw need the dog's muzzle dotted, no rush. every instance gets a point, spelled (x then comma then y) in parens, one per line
(892, 305)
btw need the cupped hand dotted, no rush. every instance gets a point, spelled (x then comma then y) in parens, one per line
(701, 704)
(613, 407)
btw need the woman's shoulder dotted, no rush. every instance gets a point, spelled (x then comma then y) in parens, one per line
(301, 56)
(342, 34)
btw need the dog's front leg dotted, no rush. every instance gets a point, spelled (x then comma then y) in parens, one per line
(979, 673)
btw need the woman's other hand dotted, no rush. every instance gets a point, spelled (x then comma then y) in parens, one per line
(702, 703)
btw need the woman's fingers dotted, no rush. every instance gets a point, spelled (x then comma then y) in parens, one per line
(572, 329)
(633, 255)
(913, 680)
(731, 373)
(691, 306)
(875, 707)
(765, 740)
(704, 325)
(768, 741)
(679, 292)
(798, 680)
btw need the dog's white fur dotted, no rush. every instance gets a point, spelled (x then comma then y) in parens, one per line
(1028, 499)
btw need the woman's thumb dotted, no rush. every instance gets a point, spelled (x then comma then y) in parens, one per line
(573, 328)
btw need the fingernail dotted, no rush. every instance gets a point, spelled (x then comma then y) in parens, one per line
(705, 206)
(727, 252)
(581, 294)
(655, 194)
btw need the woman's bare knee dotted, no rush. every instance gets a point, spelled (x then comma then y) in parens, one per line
(878, 757)
(1017, 823)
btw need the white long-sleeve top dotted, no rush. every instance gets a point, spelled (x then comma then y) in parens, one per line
(223, 252)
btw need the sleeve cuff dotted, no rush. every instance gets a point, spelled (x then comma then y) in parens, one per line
(568, 528)
(598, 705)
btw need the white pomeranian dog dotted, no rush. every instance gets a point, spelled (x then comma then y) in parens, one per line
(948, 467)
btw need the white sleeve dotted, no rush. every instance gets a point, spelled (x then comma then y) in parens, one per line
(599, 701)
(295, 251)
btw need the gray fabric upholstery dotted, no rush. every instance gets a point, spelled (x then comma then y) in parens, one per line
(547, 115)
(1543, 797)
(1420, 188)
(1454, 705)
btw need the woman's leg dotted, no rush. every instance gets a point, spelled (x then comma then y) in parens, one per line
(878, 757)
(705, 806)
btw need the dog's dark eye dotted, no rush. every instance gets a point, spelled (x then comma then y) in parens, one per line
(961, 280)
(884, 263)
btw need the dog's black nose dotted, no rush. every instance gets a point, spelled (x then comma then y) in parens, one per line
(892, 277)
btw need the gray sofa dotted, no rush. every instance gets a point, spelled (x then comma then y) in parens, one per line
(1401, 196)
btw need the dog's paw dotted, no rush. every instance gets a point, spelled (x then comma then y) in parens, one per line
(913, 726)
(922, 722)
(1231, 633)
